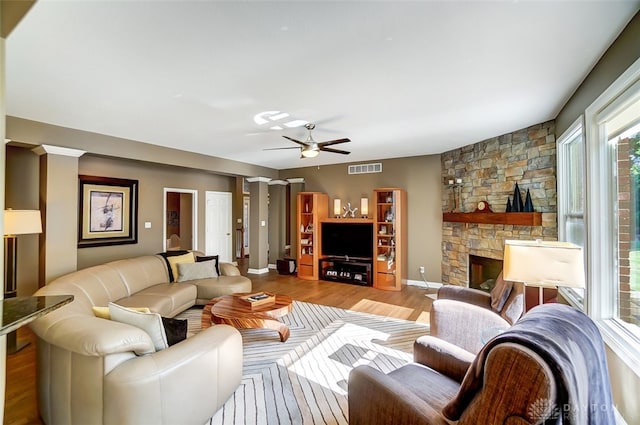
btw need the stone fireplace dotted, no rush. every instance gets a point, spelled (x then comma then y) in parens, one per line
(489, 171)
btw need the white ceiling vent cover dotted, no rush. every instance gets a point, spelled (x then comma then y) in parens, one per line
(375, 167)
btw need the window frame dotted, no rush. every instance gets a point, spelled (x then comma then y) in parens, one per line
(601, 191)
(563, 191)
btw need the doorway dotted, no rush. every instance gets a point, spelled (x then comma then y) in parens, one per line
(218, 225)
(180, 227)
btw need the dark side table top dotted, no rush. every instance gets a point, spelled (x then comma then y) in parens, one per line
(18, 311)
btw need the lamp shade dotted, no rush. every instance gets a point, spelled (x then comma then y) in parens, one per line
(22, 222)
(336, 207)
(543, 263)
(364, 206)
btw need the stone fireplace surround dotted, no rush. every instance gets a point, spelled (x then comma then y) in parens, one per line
(489, 171)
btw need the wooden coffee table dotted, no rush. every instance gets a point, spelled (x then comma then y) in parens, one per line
(229, 310)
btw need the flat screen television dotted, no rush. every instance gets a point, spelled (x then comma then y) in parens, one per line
(347, 239)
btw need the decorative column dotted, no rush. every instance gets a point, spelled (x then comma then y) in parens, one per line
(258, 229)
(58, 202)
(277, 220)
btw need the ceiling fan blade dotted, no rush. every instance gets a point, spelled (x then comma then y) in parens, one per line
(334, 150)
(333, 142)
(295, 141)
(275, 149)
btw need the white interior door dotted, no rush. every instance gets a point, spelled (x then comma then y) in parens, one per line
(218, 225)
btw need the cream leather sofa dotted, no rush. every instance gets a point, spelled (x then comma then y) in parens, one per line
(90, 371)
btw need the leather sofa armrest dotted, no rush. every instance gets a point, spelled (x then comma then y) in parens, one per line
(375, 398)
(228, 269)
(92, 336)
(442, 356)
(467, 295)
(462, 324)
(151, 389)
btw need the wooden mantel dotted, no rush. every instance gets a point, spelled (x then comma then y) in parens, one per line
(514, 218)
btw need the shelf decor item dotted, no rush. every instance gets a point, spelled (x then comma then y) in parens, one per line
(517, 205)
(528, 203)
(258, 299)
(509, 207)
(349, 211)
(483, 206)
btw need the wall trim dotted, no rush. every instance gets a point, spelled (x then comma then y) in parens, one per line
(424, 284)
(258, 271)
(296, 180)
(279, 182)
(259, 179)
(58, 150)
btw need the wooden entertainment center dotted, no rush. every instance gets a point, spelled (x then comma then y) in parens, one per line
(385, 267)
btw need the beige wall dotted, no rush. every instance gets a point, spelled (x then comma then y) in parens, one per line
(153, 178)
(418, 175)
(37, 133)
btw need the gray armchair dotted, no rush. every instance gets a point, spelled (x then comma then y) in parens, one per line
(460, 315)
(550, 366)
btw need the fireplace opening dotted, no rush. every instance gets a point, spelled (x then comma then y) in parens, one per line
(483, 272)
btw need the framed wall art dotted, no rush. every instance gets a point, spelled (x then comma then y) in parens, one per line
(108, 211)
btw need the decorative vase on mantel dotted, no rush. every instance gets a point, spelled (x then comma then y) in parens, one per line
(509, 207)
(528, 203)
(517, 205)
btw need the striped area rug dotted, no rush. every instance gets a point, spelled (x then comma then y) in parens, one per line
(304, 380)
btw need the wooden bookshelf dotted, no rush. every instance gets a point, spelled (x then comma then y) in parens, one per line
(312, 209)
(390, 239)
(514, 218)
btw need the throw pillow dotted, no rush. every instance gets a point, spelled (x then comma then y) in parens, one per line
(175, 329)
(500, 293)
(174, 261)
(209, 258)
(151, 323)
(166, 256)
(200, 270)
(103, 312)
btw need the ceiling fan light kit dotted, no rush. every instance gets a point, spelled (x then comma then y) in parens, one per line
(310, 151)
(310, 148)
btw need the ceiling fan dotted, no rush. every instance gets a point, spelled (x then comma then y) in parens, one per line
(310, 148)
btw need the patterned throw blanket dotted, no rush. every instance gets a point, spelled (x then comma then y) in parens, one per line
(572, 346)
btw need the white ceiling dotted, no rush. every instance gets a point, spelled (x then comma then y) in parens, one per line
(397, 78)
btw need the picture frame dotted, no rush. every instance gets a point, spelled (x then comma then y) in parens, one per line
(108, 211)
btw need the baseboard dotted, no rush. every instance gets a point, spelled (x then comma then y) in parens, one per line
(272, 267)
(258, 271)
(423, 284)
(619, 419)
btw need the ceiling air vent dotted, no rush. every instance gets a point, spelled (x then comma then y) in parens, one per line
(375, 167)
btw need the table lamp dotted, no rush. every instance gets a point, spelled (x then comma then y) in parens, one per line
(543, 264)
(16, 222)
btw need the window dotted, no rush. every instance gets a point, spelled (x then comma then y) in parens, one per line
(612, 211)
(571, 222)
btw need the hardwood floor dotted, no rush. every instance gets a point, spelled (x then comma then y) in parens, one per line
(409, 304)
